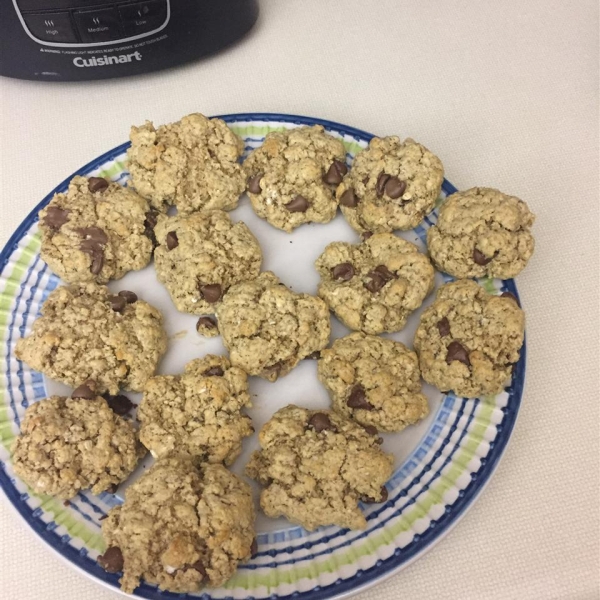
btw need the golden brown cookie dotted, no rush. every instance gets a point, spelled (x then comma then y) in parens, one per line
(468, 340)
(183, 526)
(315, 466)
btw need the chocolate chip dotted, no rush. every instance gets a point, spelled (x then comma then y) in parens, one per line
(97, 184)
(366, 235)
(372, 430)
(112, 489)
(66, 503)
(112, 560)
(253, 547)
(386, 273)
(457, 351)
(93, 234)
(336, 173)
(199, 566)
(343, 271)
(207, 322)
(511, 296)
(321, 422)
(211, 292)
(119, 404)
(92, 244)
(149, 225)
(130, 297)
(316, 355)
(395, 187)
(56, 217)
(117, 303)
(298, 204)
(215, 371)
(253, 184)
(480, 258)
(172, 241)
(382, 179)
(274, 368)
(96, 253)
(382, 497)
(443, 326)
(349, 198)
(151, 218)
(85, 391)
(375, 282)
(358, 398)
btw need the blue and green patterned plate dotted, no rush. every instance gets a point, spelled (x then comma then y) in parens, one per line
(442, 464)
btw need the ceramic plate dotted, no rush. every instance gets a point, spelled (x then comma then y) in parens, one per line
(442, 464)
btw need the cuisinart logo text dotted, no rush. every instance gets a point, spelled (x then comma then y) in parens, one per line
(102, 61)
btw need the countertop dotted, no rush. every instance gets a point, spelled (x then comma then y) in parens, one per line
(507, 94)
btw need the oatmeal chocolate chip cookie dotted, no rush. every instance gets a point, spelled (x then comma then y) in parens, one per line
(86, 332)
(198, 412)
(96, 231)
(268, 329)
(482, 232)
(469, 340)
(316, 466)
(374, 381)
(192, 164)
(71, 444)
(392, 185)
(374, 286)
(291, 178)
(201, 255)
(182, 527)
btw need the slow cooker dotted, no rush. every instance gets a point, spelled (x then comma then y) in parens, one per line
(70, 40)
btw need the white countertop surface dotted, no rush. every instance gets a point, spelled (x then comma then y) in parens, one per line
(506, 93)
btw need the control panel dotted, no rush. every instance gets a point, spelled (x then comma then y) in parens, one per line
(91, 22)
